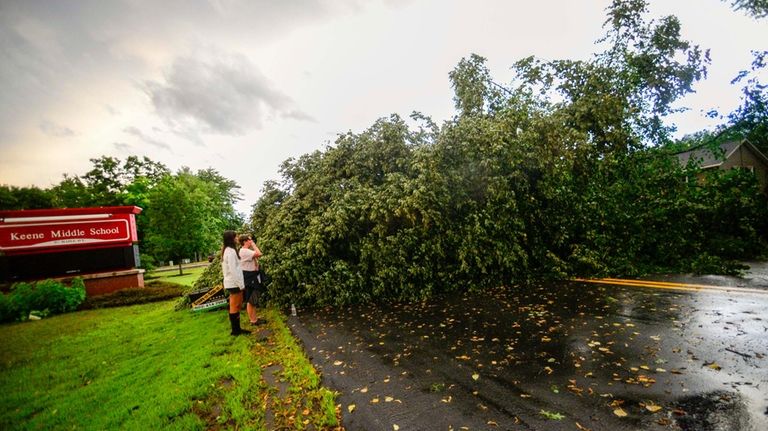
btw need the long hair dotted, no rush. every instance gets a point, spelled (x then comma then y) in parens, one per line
(229, 241)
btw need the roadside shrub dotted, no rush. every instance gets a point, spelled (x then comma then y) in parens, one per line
(148, 262)
(44, 298)
(154, 291)
(708, 264)
(58, 298)
(8, 310)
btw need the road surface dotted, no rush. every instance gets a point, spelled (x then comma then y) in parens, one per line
(567, 356)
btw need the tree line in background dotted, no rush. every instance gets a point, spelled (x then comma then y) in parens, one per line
(184, 212)
(568, 170)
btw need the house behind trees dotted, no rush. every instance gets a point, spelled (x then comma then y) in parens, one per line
(735, 155)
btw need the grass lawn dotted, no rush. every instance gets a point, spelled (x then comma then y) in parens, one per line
(150, 367)
(187, 279)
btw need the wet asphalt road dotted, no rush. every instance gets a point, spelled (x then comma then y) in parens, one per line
(567, 356)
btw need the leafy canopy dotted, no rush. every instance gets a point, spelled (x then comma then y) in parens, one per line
(554, 175)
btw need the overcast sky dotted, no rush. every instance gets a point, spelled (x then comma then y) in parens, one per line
(241, 86)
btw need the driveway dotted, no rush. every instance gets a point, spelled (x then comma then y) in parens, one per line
(565, 356)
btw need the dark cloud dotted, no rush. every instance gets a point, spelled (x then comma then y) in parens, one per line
(52, 129)
(147, 139)
(224, 94)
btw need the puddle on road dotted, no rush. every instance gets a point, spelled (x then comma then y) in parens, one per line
(609, 356)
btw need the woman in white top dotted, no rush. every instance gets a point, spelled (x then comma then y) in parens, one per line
(233, 280)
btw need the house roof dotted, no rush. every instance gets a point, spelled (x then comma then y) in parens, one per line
(709, 160)
(706, 157)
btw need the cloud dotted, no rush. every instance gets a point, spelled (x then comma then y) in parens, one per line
(54, 52)
(52, 129)
(298, 115)
(121, 146)
(190, 135)
(226, 94)
(148, 139)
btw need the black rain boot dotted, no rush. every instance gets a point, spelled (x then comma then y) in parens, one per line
(239, 329)
(234, 323)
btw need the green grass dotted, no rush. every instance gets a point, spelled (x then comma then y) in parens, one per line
(149, 367)
(187, 279)
(138, 367)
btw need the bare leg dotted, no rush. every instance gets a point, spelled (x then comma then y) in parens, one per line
(235, 300)
(251, 312)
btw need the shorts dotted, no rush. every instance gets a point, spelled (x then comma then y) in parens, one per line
(233, 290)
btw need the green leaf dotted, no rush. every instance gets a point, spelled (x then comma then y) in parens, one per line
(553, 416)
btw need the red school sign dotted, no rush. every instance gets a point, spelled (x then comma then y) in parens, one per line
(32, 231)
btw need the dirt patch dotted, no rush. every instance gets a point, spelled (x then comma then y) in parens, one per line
(277, 391)
(262, 334)
(209, 414)
(209, 409)
(271, 375)
(226, 383)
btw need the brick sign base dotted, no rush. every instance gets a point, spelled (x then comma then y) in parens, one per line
(108, 282)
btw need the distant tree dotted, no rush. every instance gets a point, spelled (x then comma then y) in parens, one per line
(183, 218)
(72, 192)
(226, 195)
(754, 8)
(135, 167)
(107, 180)
(750, 120)
(7, 198)
(25, 198)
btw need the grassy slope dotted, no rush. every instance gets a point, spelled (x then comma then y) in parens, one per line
(148, 367)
